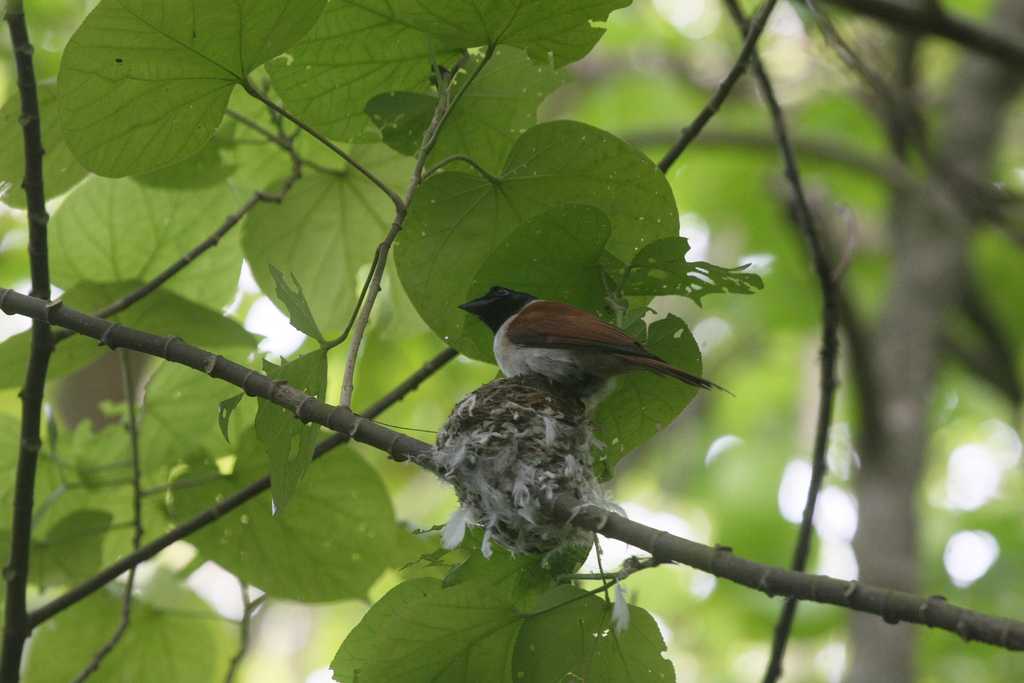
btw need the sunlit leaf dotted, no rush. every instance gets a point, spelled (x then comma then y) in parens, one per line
(295, 303)
(144, 83)
(457, 220)
(110, 231)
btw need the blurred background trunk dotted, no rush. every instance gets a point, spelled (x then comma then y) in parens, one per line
(929, 278)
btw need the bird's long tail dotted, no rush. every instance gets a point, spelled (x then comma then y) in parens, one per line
(663, 368)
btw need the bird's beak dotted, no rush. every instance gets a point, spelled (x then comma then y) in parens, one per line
(476, 305)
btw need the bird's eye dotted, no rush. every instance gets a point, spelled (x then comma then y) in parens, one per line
(501, 291)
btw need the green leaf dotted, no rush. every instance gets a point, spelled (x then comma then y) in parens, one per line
(472, 631)
(144, 83)
(183, 641)
(575, 642)
(458, 220)
(72, 550)
(402, 118)
(295, 303)
(498, 107)
(180, 416)
(357, 49)
(641, 404)
(563, 28)
(419, 632)
(160, 313)
(224, 410)
(554, 255)
(60, 172)
(287, 441)
(330, 543)
(334, 224)
(116, 230)
(661, 268)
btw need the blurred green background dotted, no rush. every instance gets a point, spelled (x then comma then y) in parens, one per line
(729, 470)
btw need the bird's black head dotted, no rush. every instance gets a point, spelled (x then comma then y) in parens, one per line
(497, 305)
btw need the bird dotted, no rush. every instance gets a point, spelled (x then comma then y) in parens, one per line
(565, 344)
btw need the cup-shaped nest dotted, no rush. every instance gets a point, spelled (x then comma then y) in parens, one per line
(509, 448)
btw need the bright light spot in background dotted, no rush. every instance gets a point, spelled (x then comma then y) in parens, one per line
(265, 320)
(721, 445)
(11, 325)
(785, 22)
(702, 585)
(697, 233)
(320, 676)
(837, 560)
(694, 19)
(663, 628)
(831, 662)
(796, 478)
(614, 552)
(219, 589)
(969, 555)
(748, 665)
(975, 470)
(710, 332)
(246, 285)
(841, 455)
(835, 515)
(759, 263)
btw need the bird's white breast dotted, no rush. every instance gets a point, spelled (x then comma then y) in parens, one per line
(513, 359)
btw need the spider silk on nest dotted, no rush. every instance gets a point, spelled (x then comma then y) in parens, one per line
(509, 449)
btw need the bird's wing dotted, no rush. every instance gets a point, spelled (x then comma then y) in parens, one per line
(551, 324)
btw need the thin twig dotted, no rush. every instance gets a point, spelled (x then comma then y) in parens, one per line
(1002, 46)
(126, 603)
(445, 103)
(133, 297)
(711, 108)
(16, 628)
(829, 344)
(663, 546)
(464, 158)
(248, 607)
(370, 175)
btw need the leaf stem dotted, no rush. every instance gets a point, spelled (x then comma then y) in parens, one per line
(372, 177)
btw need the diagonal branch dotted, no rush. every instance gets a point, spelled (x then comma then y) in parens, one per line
(16, 572)
(133, 297)
(690, 133)
(445, 103)
(663, 546)
(829, 345)
(1002, 46)
(370, 175)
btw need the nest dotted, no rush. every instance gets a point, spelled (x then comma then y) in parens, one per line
(509, 448)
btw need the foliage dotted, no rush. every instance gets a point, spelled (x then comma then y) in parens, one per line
(153, 139)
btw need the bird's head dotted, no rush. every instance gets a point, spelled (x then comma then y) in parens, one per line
(497, 305)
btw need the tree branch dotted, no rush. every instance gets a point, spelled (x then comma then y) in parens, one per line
(711, 108)
(663, 547)
(829, 343)
(248, 607)
(278, 109)
(445, 104)
(126, 603)
(892, 606)
(16, 572)
(1002, 46)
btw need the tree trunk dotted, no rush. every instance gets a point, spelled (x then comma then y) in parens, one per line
(928, 244)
